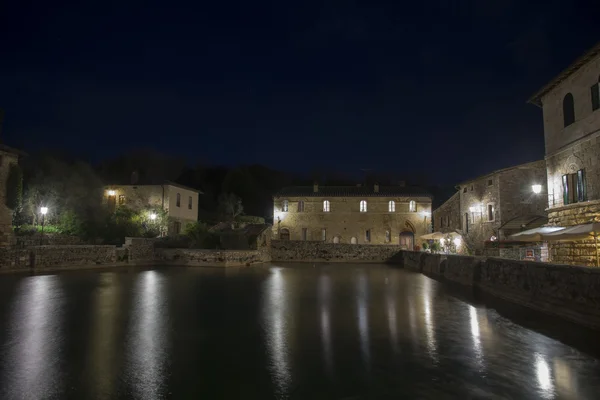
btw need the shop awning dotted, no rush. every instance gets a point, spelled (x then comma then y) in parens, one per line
(536, 234)
(439, 235)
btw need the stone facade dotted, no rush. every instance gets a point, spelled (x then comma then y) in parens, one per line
(353, 215)
(305, 251)
(8, 157)
(573, 148)
(49, 239)
(495, 205)
(139, 250)
(211, 258)
(180, 202)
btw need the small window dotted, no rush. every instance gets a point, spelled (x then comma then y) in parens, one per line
(177, 227)
(467, 222)
(363, 206)
(388, 236)
(190, 202)
(392, 206)
(568, 109)
(471, 188)
(326, 206)
(178, 201)
(336, 239)
(595, 89)
(368, 235)
(324, 234)
(490, 212)
(304, 234)
(465, 189)
(300, 206)
(490, 182)
(353, 240)
(284, 234)
(574, 187)
(285, 206)
(412, 206)
(121, 199)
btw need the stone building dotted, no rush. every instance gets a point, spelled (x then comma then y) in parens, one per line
(494, 206)
(571, 112)
(8, 158)
(353, 214)
(180, 202)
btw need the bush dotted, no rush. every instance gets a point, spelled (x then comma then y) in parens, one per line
(249, 219)
(30, 230)
(435, 246)
(425, 246)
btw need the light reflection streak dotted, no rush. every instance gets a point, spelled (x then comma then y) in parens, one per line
(363, 318)
(36, 329)
(544, 376)
(276, 332)
(325, 304)
(429, 326)
(475, 334)
(392, 317)
(147, 342)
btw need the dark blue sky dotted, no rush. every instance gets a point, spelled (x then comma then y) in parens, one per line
(435, 86)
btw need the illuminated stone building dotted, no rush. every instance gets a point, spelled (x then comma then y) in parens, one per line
(571, 113)
(386, 215)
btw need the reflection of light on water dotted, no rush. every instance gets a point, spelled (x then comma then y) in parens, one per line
(363, 318)
(476, 336)
(147, 337)
(544, 378)
(429, 328)
(103, 335)
(392, 319)
(276, 332)
(324, 296)
(35, 330)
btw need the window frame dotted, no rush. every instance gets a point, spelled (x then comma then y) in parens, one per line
(412, 206)
(595, 95)
(326, 206)
(178, 200)
(568, 108)
(391, 206)
(121, 199)
(190, 203)
(300, 206)
(487, 212)
(363, 206)
(368, 236)
(285, 205)
(324, 234)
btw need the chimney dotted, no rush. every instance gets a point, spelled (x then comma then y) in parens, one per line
(376, 188)
(316, 187)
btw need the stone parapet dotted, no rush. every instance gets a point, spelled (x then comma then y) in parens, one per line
(210, 258)
(307, 251)
(63, 256)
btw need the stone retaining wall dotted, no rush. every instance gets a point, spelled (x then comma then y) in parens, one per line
(140, 250)
(210, 258)
(309, 251)
(14, 259)
(65, 256)
(48, 239)
(570, 292)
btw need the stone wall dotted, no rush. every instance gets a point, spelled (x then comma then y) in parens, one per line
(292, 250)
(14, 259)
(139, 250)
(7, 158)
(65, 256)
(50, 239)
(210, 258)
(446, 218)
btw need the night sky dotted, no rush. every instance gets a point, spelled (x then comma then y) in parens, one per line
(433, 87)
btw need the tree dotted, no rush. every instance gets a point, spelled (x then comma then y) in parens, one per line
(230, 206)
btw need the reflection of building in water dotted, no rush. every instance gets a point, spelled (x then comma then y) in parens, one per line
(566, 385)
(277, 330)
(391, 312)
(429, 320)
(362, 299)
(106, 313)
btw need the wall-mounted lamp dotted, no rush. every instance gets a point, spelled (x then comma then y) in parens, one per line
(537, 189)
(111, 192)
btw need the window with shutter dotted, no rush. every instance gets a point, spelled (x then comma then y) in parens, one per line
(581, 195)
(568, 109)
(565, 189)
(595, 89)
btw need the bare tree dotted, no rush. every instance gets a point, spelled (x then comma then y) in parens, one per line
(230, 206)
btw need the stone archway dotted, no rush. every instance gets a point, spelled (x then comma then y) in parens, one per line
(336, 239)
(407, 240)
(284, 234)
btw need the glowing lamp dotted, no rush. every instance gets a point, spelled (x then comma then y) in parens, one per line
(152, 216)
(111, 192)
(426, 213)
(457, 241)
(537, 189)
(442, 241)
(44, 210)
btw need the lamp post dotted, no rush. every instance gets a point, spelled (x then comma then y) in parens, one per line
(537, 189)
(43, 211)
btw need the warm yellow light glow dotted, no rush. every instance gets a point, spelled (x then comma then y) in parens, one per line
(476, 208)
(44, 210)
(537, 189)
(111, 192)
(426, 213)
(442, 241)
(457, 241)
(152, 216)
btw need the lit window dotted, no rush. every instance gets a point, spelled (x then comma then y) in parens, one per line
(300, 206)
(324, 234)
(363, 206)
(284, 206)
(326, 206)
(412, 206)
(490, 212)
(574, 187)
(121, 199)
(568, 109)
(190, 203)
(392, 206)
(178, 201)
(368, 235)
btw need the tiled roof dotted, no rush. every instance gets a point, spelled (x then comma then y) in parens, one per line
(352, 191)
(578, 63)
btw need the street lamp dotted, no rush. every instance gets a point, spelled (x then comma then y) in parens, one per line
(153, 216)
(43, 211)
(537, 189)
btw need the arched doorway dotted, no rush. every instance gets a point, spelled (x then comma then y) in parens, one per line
(284, 234)
(336, 239)
(353, 240)
(407, 240)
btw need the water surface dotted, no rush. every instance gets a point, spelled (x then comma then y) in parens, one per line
(300, 332)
